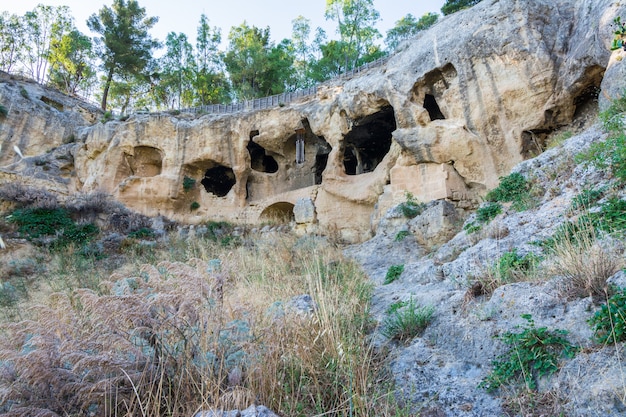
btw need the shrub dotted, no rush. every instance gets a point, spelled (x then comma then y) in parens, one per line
(407, 321)
(511, 265)
(3, 111)
(36, 223)
(619, 33)
(194, 206)
(411, 207)
(143, 233)
(587, 198)
(26, 196)
(401, 235)
(612, 216)
(107, 117)
(533, 353)
(393, 273)
(513, 188)
(24, 93)
(485, 213)
(188, 183)
(609, 323)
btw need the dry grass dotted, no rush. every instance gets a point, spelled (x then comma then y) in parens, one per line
(585, 263)
(178, 335)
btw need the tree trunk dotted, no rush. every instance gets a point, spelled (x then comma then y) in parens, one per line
(105, 93)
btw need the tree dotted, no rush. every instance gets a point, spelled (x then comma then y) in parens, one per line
(71, 62)
(408, 27)
(210, 84)
(355, 25)
(11, 40)
(41, 27)
(256, 67)
(124, 43)
(300, 33)
(451, 6)
(177, 69)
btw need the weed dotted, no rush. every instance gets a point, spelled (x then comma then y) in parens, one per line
(609, 323)
(188, 183)
(142, 233)
(401, 235)
(587, 198)
(393, 273)
(511, 265)
(619, 33)
(411, 208)
(559, 138)
(408, 321)
(3, 111)
(24, 93)
(395, 306)
(533, 353)
(512, 188)
(485, 213)
(108, 116)
(612, 216)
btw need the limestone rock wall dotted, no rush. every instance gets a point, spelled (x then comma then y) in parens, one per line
(453, 110)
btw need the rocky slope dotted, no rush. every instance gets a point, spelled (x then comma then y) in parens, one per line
(443, 118)
(439, 371)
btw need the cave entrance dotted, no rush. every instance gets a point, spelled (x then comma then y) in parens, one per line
(281, 212)
(219, 180)
(260, 161)
(431, 106)
(368, 142)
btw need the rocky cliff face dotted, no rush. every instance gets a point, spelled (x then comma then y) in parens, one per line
(443, 118)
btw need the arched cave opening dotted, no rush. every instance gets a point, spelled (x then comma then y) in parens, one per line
(259, 160)
(431, 106)
(281, 212)
(219, 180)
(308, 151)
(369, 141)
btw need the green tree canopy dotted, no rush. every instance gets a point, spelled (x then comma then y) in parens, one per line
(210, 84)
(41, 27)
(451, 6)
(257, 67)
(355, 25)
(408, 27)
(71, 62)
(177, 70)
(124, 43)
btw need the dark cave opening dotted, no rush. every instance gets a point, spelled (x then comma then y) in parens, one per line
(369, 141)
(219, 180)
(281, 212)
(259, 160)
(430, 104)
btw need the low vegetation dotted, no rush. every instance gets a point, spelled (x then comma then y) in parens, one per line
(533, 353)
(205, 321)
(411, 208)
(393, 273)
(406, 320)
(609, 322)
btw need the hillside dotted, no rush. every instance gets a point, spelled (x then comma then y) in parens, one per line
(380, 247)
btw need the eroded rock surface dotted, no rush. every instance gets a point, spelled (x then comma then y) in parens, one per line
(448, 114)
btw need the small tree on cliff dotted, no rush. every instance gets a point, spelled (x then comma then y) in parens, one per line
(125, 44)
(452, 6)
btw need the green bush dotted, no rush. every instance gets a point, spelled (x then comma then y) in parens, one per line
(35, 223)
(188, 183)
(143, 233)
(484, 215)
(609, 323)
(107, 117)
(401, 235)
(452, 6)
(407, 321)
(511, 264)
(513, 188)
(194, 206)
(411, 207)
(612, 216)
(533, 353)
(619, 33)
(24, 93)
(393, 273)
(587, 198)
(3, 111)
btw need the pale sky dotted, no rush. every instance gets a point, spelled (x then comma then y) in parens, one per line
(184, 15)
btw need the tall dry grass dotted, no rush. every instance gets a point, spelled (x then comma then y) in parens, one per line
(183, 334)
(584, 261)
